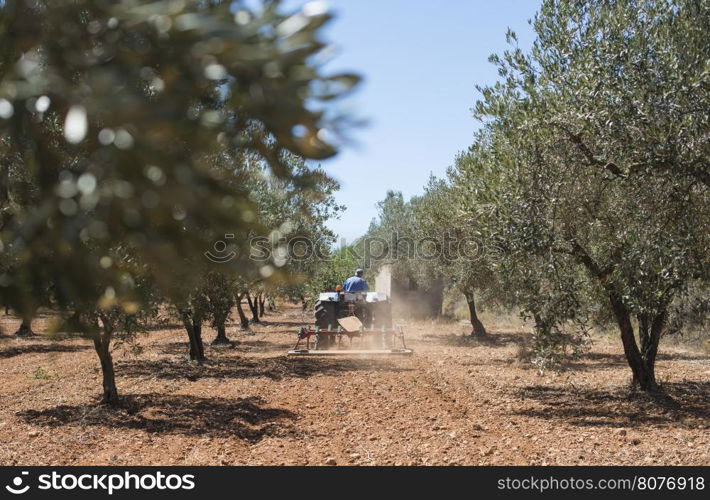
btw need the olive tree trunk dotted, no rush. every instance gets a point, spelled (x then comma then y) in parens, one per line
(102, 345)
(25, 329)
(221, 334)
(193, 326)
(478, 330)
(641, 361)
(262, 300)
(243, 320)
(254, 308)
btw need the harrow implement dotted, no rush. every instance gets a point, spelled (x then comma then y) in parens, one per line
(349, 338)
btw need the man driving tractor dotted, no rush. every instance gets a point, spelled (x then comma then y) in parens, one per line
(356, 283)
(351, 312)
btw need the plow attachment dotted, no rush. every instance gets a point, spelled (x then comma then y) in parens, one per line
(349, 338)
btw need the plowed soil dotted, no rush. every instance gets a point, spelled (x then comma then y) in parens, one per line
(455, 401)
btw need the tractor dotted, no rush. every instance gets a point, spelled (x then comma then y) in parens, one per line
(339, 315)
(373, 309)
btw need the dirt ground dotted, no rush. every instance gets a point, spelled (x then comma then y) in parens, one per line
(455, 401)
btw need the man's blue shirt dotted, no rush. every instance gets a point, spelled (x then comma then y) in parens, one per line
(355, 284)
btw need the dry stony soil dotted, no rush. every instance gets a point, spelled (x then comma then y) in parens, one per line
(455, 401)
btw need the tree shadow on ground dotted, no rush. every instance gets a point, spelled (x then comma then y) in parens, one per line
(600, 360)
(257, 345)
(237, 344)
(682, 404)
(590, 361)
(275, 368)
(494, 339)
(681, 356)
(163, 325)
(175, 348)
(246, 418)
(41, 349)
(283, 324)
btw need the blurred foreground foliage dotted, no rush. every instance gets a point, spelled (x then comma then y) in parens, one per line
(133, 128)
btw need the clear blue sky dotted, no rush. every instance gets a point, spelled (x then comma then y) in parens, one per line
(420, 61)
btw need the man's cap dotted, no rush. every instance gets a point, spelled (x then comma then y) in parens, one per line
(359, 271)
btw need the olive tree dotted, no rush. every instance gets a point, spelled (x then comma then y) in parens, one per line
(599, 136)
(125, 308)
(295, 212)
(395, 238)
(456, 235)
